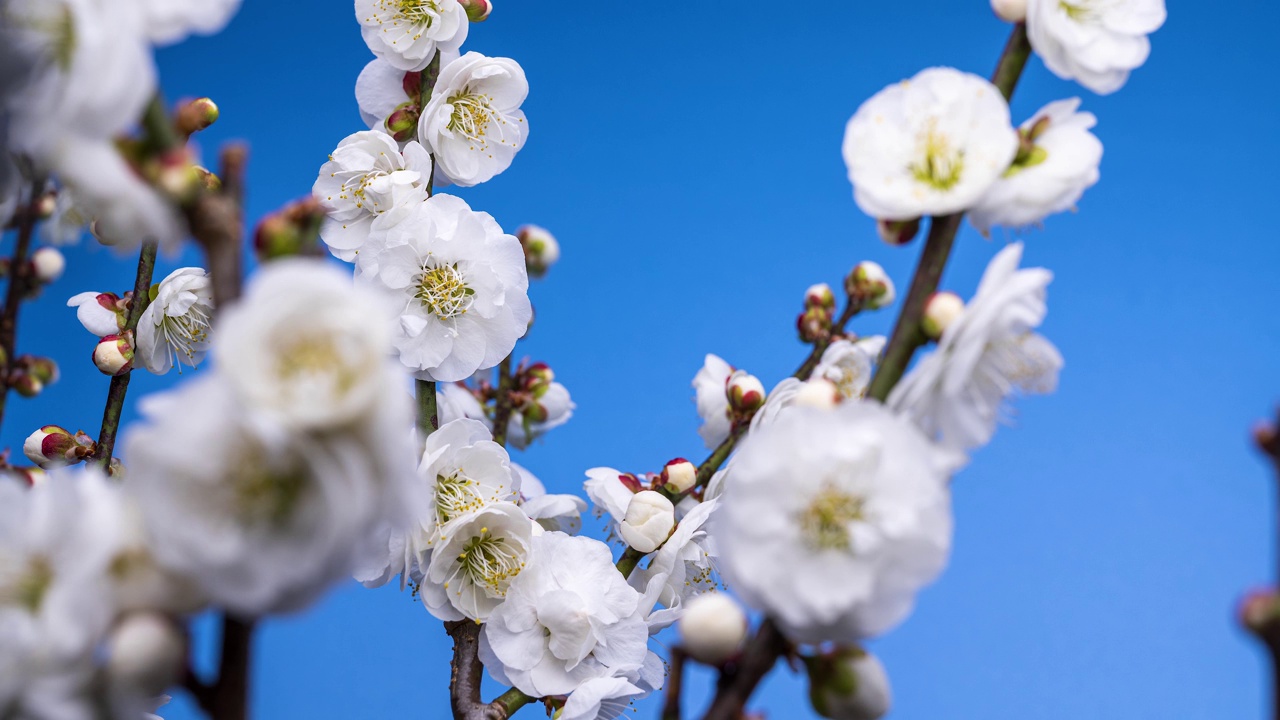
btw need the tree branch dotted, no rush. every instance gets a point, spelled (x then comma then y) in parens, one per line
(674, 689)
(502, 403)
(739, 681)
(19, 284)
(230, 697)
(464, 680)
(120, 383)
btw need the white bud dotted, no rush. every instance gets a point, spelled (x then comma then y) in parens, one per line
(679, 475)
(48, 263)
(541, 250)
(650, 519)
(940, 310)
(745, 392)
(819, 295)
(871, 285)
(1014, 11)
(818, 393)
(146, 651)
(848, 684)
(49, 446)
(712, 628)
(113, 355)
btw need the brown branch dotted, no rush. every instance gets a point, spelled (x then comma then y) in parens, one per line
(464, 678)
(674, 689)
(739, 680)
(230, 696)
(19, 284)
(502, 403)
(216, 222)
(120, 384)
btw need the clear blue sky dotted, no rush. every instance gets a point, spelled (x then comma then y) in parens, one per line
(690, 165)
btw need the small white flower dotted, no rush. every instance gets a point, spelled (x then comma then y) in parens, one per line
(1095, 42)
(713, 404)
(1057, 163)
(265, 518)
(174, 329)
(849, 365)
(685, 563)
(478, 557)
(462, 287)
(713, 628)
(864, 521)
(368, 179)
(305, 347)
(473, 123)
(931, 145)
(569, 617)
(170, 21)
(606, 698)
(408, 33)
(648, 522)
(989, 351)
(611, 492)
(99, 313)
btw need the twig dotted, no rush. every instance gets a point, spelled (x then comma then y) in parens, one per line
(739, 681)
(216, 223)
(502, 403)
(464, 680)
(230, 700)
(120, 383)
(428, 412)
(674, 689)
(907, 336)
(19, 283)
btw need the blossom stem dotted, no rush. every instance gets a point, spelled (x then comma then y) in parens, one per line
(629, 560)
(428, 412)
(120, 383)
(675, 679)
(429, 77)
(230, 700)
(502, 404)
(739, 681)
(19, 283)
(907, 336)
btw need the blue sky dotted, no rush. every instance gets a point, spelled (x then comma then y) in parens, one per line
(690, 165)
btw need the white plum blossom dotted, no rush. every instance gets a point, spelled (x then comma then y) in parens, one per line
(99, 313)
(956, 393)
(1095, 42)
(611, 492)
(849, 364)
(713, 404)
(462, 288)
(170, 21)
(174, 329)
(124, 208)
(477, 558)
(408, 33)
(931, 145)
(686, 561)
(649, 521)
(380, 90)
(606, 698)
(865, 521)
(303, 347)
(368, 180)
(473, 123)
(1057, 162)
(780, 398)
(569, 617)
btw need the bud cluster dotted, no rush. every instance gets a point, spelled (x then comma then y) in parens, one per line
(53, 446)
(814, 324)
(29, 374)
(291, 230)
(869, 286)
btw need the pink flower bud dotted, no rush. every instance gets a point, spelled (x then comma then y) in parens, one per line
(631, 482)
(819, 295)
(113, 355)
(477, 10)
(47, 264)
(814, 323)
(50, 445)
(745, 392)
(402, 123)
(940, 310)
(678, 476)
(898, 232)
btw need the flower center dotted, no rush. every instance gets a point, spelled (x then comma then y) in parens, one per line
(474, 116)
(490, 562)
(940, 164)
(315, 355)
(824, 525)
(28, 589)
(443, 291)
(185, 334)
(263, 496)
(1025, 361)
(457, 495)
(356, 188)
(418, 14)
(1082, 11)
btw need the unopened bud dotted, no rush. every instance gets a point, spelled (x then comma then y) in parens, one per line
(848, 683)
(940, 310)
(146, 652)
(541, 250)
(898, 232)
(25, 384)
(477, 10)
(209, 182)
(291, 230)
(113, 355)
(193, 116)
(814, 323)
(678, 476)
(47, 264)
(402, 123)
(870, 285)
(177, 176)
(46, 205)
(41, 368)
(1013, 11)
(713, 628)
(745, 392)
(538, 374)
(819, 295)
(50, 445)
(630, 482)
(819, 393)
(649, 521)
